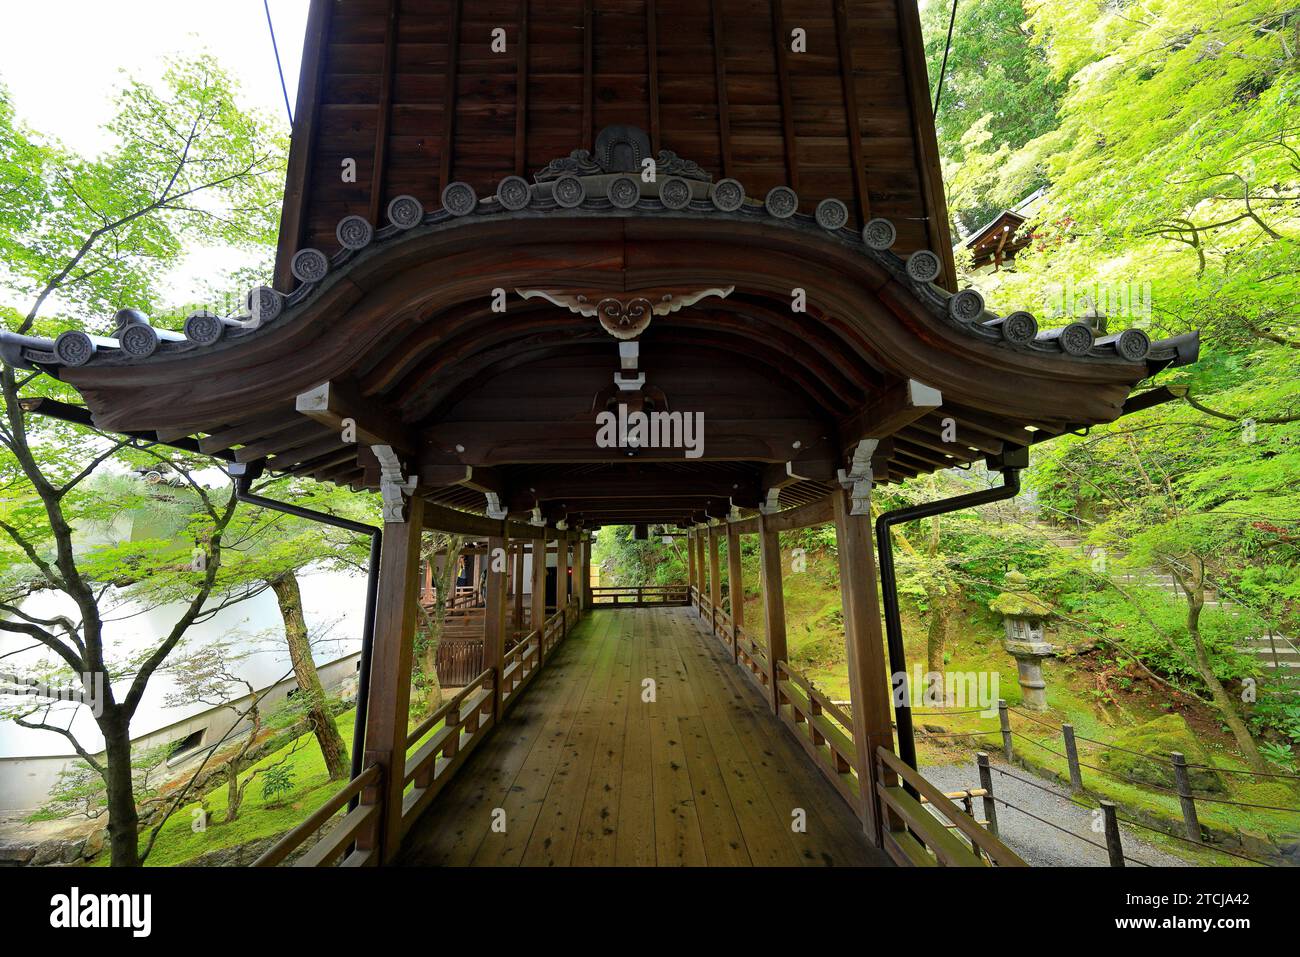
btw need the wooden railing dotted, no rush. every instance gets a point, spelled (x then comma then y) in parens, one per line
(443, 740)
(915, 837)
(824, 730)
(519, 665)
(441, 743)
(753, 657)
(336, 842)
(639, 596)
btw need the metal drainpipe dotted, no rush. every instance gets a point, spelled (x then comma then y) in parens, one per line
(243, 482)
(1009, 463)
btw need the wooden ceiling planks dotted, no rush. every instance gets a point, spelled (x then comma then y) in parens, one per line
(413, 93)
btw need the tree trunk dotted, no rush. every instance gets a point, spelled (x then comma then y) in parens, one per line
(1194, 588)
(332, 748)
(937, 632)
(123, 819)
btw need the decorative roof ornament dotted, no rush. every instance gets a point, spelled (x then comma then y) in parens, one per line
(781, 202)
(727, 195)
(394, 487)
(625, 316)
(966, 306)
(309, 265)
(354, 232)
(514, 193)
(569, 191)
(577, 163)
(923, 266)
(831, 214)
(669, 163)
(879, 234)
(623, 192)
(675, 192)
(459, 199)
(405, 212)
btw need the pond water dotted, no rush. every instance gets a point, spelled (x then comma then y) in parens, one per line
(333, 604)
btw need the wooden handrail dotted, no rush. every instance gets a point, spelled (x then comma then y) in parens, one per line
(427, 725)
(291, 841)
(929, 829)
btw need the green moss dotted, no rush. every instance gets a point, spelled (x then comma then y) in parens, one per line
(1155, 740)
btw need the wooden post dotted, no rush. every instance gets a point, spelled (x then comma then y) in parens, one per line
(736, 590)
(1113, 845)
(715, 579)
(1004, 720)
(1072, 758)
(986, 782)
(494, 616)
(562, 581)
(517, 553)
(1190, 822)
(865, 643)
(700, 568)
(390, 675)
(539, 596)
(773, 604)
(586, 574)
(690, 566)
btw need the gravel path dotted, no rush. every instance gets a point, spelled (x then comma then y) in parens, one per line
(1041, 844)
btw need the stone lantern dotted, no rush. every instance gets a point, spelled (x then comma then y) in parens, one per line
(1023, 615)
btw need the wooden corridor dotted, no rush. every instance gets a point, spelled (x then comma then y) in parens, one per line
(587, 774)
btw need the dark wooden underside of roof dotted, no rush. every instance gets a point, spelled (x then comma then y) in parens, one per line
(409, 334)
(413, 92)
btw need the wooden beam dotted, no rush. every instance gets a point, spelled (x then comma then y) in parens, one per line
(449, 99)
(773, 602)
(715, 577)
(335, 404)
(539, 591)
(494, 617)
(517, 556)
(814, 513)
(901, 405)
(781, 38)
(385, 110)
(303, 141)
(588, 77)
(869, 688)
(652, 62)
(720, 72)
(521, 92)
(845, 44)
(692, 573)
(396, 612)
(735, 586)
(585, 567)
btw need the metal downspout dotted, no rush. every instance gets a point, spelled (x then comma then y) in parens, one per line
(1009, 464)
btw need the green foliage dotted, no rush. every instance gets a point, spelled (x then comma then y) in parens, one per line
(277, 782)
(1142, 754)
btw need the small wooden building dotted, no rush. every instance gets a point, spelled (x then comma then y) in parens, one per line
(513, 231)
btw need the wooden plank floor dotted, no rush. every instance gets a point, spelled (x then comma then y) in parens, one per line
(583, 772)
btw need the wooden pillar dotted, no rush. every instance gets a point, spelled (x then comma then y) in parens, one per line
(562, 581)
(690, 563)
(518, 553)
(865, 644)
(715, 580)
(396, 612)
(701, 566)
(735, 588)
(586, 574)
(539, 593)
(773, 603)
(494, 616)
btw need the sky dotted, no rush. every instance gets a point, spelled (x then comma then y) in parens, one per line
(62, 59)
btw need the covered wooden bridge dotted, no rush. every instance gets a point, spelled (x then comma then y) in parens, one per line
(546, 267)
